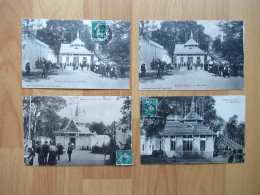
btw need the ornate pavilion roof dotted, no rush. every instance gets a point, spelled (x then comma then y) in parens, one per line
(191, 124)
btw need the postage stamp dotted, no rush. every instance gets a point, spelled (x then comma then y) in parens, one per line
(124, 157)
(149, 107)
(98, 29)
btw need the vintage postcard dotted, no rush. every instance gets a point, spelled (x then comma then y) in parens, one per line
(191, 55)
(77, 130)
(192, 130)
(75, 54)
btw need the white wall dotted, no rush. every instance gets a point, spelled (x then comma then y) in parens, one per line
(148, 52)
(32, 50)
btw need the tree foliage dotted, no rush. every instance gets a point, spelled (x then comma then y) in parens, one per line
(232, 44)
(126, 111)
(43, 115)
(234, 129)
(117, 49)
(99, 128)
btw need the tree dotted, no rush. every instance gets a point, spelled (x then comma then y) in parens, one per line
(43, 115)
(235, 130)
(217, 44)
(99, 128)
(126, 111)
(117, 49)
(232, 45)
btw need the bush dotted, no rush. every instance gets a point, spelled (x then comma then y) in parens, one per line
(100, 150)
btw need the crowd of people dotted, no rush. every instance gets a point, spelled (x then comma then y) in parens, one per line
(47, 153)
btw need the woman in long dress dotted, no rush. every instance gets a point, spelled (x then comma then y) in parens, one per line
(52, 155)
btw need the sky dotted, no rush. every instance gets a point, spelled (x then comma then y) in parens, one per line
(228, 106)
(94, 108)
(211, 27)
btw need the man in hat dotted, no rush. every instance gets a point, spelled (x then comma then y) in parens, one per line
(69, 151)
(45, 152)
(28, 69)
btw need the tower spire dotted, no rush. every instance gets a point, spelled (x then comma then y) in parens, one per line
(192, 108)
(191, 35)
(77, 111)
(78, 34)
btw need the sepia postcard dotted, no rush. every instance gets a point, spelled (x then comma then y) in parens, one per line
(192, 130)
(75, 54)
(77, 130)
(191, 55)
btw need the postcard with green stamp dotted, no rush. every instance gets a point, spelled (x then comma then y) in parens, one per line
(124, 157)
(98, 29)
(149, 107)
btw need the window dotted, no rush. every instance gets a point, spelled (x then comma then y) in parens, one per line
(67, 59)
(202, 145)
(76, 59)
(181, 59)
(173, 143)
(187, 145)
(142, 147)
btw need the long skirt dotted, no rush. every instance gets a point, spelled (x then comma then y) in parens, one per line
(52, 158)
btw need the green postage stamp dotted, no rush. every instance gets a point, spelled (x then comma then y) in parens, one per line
(124, 157)
(149, 107)
(98, 29)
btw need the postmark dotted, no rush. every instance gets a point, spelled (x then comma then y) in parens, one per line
(124, 157)
(149, 107)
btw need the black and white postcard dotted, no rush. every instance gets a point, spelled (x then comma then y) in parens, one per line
(192, 130)
(191, 55)
(77, 130)
(75, 54)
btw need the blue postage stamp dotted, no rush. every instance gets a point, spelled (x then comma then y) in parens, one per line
(149, 107)
(124, 157)
(98, 30)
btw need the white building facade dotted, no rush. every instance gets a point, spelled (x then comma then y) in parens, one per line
(80, 135)
(189, 53)
(75, 53)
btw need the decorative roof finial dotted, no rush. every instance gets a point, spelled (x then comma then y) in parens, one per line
(78, 34)
(191, 35)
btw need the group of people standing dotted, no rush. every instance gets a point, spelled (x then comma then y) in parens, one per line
(221, 70)
(48, 153)
(108, 71)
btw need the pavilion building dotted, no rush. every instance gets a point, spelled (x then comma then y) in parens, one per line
(181, 138)
(75, 53)
(189, 53)
(78, 133)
